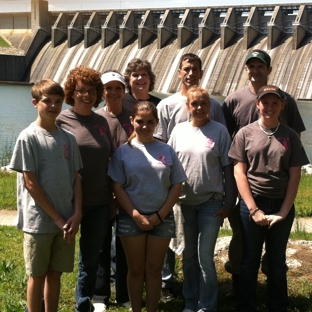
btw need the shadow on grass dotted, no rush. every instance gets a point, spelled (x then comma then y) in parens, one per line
(297, 303)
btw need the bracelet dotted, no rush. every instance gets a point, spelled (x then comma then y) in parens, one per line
(159, 217)
(253, 213)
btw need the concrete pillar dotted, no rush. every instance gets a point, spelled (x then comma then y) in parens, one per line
(299, 31)
(39, 15)
(127, 30)
(59, 30)
(227, 31)
(165, 30)
(250, 32)
(206, 31)
(146, 30)
(92, 31)
(75, 30)
(185, 32)
(274, 30)
(110, 30)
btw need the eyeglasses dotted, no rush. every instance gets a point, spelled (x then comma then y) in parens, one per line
(84, 91)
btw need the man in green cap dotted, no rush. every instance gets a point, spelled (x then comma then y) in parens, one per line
(239, 110)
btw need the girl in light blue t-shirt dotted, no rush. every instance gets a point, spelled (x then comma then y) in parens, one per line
(147, 178)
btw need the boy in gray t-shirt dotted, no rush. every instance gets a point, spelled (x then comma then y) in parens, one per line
(47, 160)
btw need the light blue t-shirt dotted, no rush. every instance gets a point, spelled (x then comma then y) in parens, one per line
(147, 171)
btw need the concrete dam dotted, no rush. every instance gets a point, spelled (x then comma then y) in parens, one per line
(221, 36)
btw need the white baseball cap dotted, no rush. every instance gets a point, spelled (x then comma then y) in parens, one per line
(112, 76)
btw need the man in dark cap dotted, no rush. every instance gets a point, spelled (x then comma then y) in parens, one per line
(239, 110)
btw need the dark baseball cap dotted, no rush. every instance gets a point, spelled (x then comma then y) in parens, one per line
(265, 58)
(270, 89)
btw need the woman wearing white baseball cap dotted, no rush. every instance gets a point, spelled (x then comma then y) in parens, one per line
(120, 128)
(116, 115)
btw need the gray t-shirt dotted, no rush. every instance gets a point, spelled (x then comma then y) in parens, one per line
(268, 160)
(147, 171)
(203, 152)
(119, 125)
(53, 157)
(95, 144)
(173, 110)
(240, 110)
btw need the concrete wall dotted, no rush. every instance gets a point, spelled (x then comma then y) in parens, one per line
(15, 21)
(228, 25)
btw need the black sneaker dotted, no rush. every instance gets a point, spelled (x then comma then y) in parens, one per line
(166, 294)
(233, 294)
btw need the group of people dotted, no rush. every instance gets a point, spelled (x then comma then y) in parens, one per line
(137, 158)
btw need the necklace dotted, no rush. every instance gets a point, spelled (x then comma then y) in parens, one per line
(268, 134)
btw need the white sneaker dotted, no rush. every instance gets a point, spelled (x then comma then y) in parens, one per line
(99, 307)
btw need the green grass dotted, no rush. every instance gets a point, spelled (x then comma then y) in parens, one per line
(8, 194)
(6, 151)
(14, 282)
(7, 190)
(3, 43)
(304, 198)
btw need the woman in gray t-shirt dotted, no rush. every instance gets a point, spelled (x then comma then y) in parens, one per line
(267, 165)
(202, 146)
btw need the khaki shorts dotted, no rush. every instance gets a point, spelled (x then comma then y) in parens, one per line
(47, 251)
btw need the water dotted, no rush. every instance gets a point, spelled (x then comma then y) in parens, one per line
(17, 112)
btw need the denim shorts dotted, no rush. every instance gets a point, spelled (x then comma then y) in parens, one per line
(126, 226)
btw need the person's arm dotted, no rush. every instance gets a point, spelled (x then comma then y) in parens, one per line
(39, 196)
(172, 198)
(291, 193)
(161, 131)
(230, 190)
(240, 173)
(292, 115)
(217, 112)
(228, 116)
(124, 201)
(72, 225)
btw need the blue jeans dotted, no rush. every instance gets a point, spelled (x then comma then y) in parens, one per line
(167, 277)
(201, 228)
(93, 228)
(122, 295)
(115, 261)
(102, 289)
(276, 239)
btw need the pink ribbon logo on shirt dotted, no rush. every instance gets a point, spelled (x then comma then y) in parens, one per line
(162, 159)
(284, 142)
(210, 143)
(128, 128)
(101, 128)
(66, 151)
